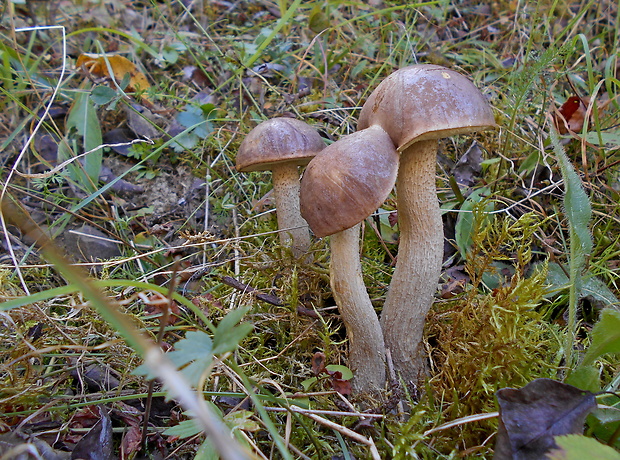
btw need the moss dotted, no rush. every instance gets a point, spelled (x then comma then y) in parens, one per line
(484, 339)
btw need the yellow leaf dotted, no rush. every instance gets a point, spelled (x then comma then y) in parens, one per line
(99, 66)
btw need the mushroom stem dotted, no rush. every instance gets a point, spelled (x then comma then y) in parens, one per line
(366, 347)
(420, 255)
(294, 230)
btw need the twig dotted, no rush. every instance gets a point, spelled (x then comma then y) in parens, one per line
(335, 413)
(340, 429)
(232, 282)
(461, 421)
(393, 379)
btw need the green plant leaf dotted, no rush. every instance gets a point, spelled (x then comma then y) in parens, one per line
(465, 220)
(578, 212)
(605, 420)
(242, 420)
(309, 383)
(585, 378)
(347, 374)
(195, 352)
(207, 451)
(605, 336)
(228, 334)
(577, 209)
(610, 140)
(578, 447)
(83, 118)
(591, 286)
(605, 339)
(184, 429)
(102, 95)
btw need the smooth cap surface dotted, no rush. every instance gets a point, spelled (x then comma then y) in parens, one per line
(348, 181)
(278, 140)
(426, 101)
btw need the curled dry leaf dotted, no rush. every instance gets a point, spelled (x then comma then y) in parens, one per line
(318, 363)
(336, 380)
(571, 115)
(156, 303)
(339, 384)
(99, 66)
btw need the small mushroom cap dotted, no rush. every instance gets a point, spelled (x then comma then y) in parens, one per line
(348, 181)
(426, 101)
(279, 140)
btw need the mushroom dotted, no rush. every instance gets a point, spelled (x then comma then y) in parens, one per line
(416, 106)
(282, 145)
(342, 186)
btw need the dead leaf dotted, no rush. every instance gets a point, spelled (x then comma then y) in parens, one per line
(469, 166)
(97, 443)
(156, 303)
(97, 377)
(130, 445)
(99, 66)
(530, 417)
(13, 446)
(452, 288)
(86, 417)
(318, 363)
(571, 115)
(341, 386)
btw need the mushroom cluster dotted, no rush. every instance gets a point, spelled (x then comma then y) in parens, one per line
(407, 113)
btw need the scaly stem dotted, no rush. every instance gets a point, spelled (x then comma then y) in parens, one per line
(293, 228)
(366, 348)
(420, 255)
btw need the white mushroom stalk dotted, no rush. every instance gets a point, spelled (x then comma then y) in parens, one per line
(293, 228)
(416, 106)
(342, 186)
(420, 254)
(366, 346)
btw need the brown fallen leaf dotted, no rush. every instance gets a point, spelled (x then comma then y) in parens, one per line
(530, 418)
(132, 437)
(99, 66)
(571, 115)
(14, 445)
(318, 363)
(156, 303)
(97, 443)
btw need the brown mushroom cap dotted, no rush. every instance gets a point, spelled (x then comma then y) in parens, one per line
(276, 141)
(426, 101)
(348, 181)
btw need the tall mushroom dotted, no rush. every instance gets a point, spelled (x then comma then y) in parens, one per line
(281, 145)
(416, 106)
(342, 186)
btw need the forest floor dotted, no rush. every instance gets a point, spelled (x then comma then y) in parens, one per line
(120, 122)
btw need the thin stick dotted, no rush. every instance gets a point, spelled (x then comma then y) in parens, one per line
(335, 413)
(340, 429)
(232, 282)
